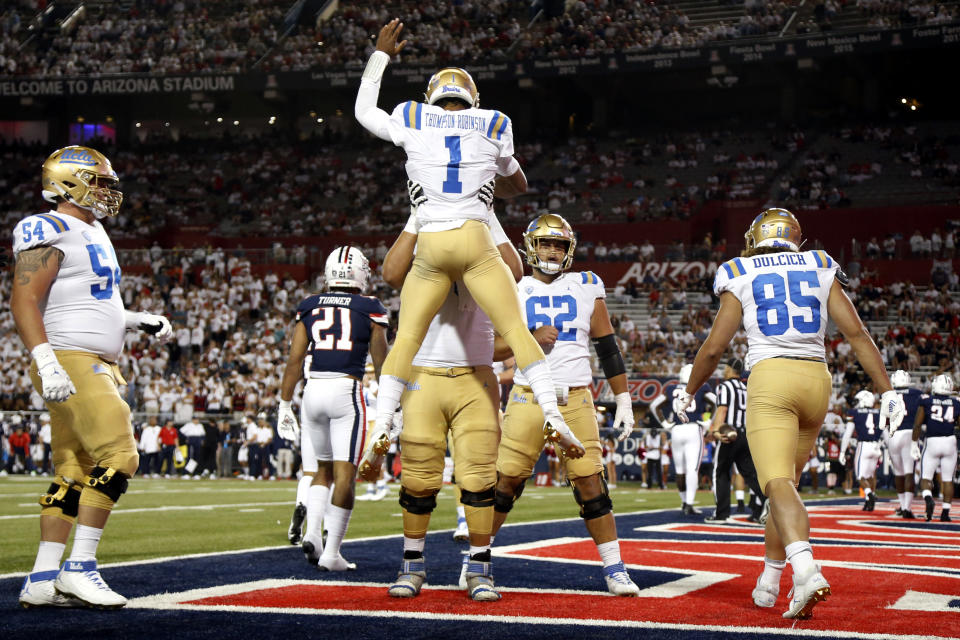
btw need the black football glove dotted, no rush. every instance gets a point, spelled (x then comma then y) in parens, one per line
(417, 196)
(486, 192)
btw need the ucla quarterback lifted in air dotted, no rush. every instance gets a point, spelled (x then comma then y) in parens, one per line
(67, 307)
(454, 150)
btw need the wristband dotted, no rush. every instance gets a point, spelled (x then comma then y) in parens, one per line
(376, 65)
(411, 226)
(44, 356)
(285, 404)
(132, 319)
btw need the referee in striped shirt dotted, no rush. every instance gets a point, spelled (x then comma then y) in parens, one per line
(732, 411)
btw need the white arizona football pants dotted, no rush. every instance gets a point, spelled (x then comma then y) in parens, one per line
(939, 452)
(900, 458)
(686, 443)
(867, 456)
(335, 416)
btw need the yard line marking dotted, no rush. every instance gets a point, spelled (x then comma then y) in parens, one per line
(195, 507)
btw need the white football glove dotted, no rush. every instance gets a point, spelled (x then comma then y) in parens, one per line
(842, 459)
(57, 385)
(666, 425)
(287, 427)
(397, 427)
(892, 410)
(623, 419)
(486, 192)
(680, 404)
(157, 326)
(415, 191)
(915, 450)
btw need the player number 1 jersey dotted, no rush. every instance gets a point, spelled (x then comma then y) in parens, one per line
(451, 154)
(784, 299)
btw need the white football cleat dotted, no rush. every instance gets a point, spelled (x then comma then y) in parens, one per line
(480, 585)
(412, 575)
(765, 595)
(462, 533)
(335, 563)
(82, 580)
(555, 429)
(38, 591)
(806, 593)
(462, 581)
(619, 582)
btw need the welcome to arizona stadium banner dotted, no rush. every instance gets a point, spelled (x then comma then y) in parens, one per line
(729, 52)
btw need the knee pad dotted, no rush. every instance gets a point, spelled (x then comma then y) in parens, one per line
(419, 505)
(62, 498)
(478, 499)
(594, 507)
(108, 481)
(503, 502)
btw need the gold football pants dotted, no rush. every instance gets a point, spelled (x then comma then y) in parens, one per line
(786, 403)
(92, 427)
(443, 257)
(463, 401)
(522, 439)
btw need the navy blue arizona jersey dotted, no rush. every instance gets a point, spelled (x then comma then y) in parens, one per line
(911, 400)
(696, 410)
(867, 424)
(338, 327)
(939, 414)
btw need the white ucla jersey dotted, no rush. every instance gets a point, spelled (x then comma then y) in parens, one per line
(784, 298)
(451, 154)
(567, 303)
(460, 335)
(84, 310)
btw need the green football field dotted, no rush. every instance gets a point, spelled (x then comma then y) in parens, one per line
(159, 518)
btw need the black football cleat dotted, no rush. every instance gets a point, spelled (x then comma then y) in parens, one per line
(898, 512)
(929, 501)
(871, 502)
(294, 534)
(945, 516)
(908, 515)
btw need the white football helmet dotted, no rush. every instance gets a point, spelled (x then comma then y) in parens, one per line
(684, 376)
(942, 385)
(900, 379)
(864, 399)
(347, 268)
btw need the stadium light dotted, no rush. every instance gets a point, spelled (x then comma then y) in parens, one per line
(236, 123)
(139, 124)
(903, 101)
(319, 120)
(220, 119)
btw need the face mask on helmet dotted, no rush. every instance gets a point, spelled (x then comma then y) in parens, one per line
(900, 379)
(347, 268)
(684, 375)
(454, 83)
(864, 399)
(549, 227)
(942, 385)
(82, 176)
(777, 228)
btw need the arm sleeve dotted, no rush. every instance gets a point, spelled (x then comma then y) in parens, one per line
(373, 119)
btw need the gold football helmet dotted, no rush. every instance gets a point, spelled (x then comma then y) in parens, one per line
(77, 174)
(774, 228)
(548, 226)
(452, 82)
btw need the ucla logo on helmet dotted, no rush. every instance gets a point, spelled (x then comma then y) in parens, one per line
(76, 156)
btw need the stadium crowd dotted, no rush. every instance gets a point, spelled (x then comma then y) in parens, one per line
(189, 36)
